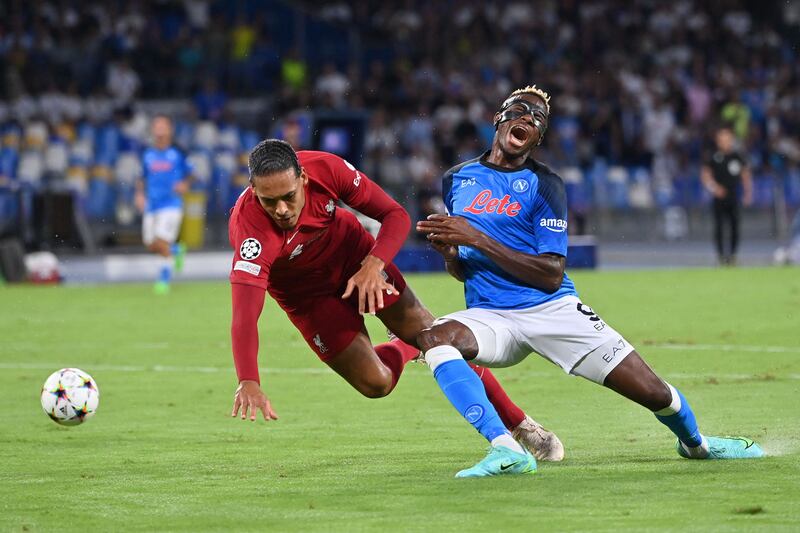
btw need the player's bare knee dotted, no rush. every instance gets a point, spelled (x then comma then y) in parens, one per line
(431, 337)
(375, 389)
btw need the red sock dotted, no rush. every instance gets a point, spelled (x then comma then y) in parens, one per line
(395, 354)
(510, 414)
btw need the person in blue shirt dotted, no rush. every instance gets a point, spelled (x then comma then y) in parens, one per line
(159, 196)
(505, 238)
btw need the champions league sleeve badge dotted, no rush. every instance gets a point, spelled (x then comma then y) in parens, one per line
(250, 249)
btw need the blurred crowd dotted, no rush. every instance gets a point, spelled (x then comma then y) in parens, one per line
(637, 86)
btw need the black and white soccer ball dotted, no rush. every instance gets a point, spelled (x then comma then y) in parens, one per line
(70, 396)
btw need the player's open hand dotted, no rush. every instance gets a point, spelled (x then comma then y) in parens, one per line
(250, 398)
(444, 230)
(370, 283)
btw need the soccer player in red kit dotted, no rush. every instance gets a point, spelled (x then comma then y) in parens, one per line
(325, 271)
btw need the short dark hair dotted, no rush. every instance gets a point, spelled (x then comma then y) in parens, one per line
(270, 156)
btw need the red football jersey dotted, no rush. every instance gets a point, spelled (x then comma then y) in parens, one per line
(327, 242)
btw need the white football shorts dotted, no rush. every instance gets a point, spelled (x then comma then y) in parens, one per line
(565, 332)
(163, 224)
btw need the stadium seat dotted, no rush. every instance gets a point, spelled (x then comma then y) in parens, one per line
(127, 168)
(639, 189)
(792, 187)
(56, 158)
(101, 199)
(106, 147)
(31, 167)
(578, 198)
(184, 133)
(224, 169)
(229, 139)
(617, 193)
(250, 138)
(206, 136)
(200, 162)
(763, 190)
(9, 158)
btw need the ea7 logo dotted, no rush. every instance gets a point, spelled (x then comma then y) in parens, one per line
(555, 225)
(467, 182)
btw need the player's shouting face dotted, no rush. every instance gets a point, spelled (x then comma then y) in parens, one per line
(521, 123)
(282, 195)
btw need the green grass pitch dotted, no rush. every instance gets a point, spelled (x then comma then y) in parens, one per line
(164, 454)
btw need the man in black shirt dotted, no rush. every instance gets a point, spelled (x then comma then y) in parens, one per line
(721, 175)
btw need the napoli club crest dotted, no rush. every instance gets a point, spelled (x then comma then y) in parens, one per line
(250, 249)
(520, 185)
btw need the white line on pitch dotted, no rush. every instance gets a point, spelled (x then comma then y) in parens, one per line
(317, 371)
(725, 348)
(160, 368)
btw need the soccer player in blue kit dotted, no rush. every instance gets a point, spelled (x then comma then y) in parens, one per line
(505, 238)
(159, 195)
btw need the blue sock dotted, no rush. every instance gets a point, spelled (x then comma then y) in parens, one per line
(679, 418)
(166, 273)
(465, 391)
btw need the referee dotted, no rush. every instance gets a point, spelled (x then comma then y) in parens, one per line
(721, 175)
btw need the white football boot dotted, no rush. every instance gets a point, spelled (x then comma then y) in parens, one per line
(543, 444)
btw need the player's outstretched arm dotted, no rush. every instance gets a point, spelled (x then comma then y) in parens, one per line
(359, 192)
(248, 302)
(543, 271)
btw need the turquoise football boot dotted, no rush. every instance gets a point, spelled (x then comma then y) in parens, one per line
(161, 287)
(180, 257)
(727, 448)
(502, 461)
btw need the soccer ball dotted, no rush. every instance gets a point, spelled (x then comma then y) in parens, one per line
(70, 396)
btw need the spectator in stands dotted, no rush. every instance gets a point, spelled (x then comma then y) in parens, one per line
(332, 86)
(122, 82)
(637, 81)
(210, 101)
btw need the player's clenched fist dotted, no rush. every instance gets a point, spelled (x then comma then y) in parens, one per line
(250, 398)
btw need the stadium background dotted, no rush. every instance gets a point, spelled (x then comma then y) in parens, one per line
(404, 90)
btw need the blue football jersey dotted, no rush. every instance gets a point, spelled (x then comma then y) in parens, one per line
(162, 170)
(524, 209)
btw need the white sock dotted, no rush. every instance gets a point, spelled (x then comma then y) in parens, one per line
(509, 442)
(697, 452)
(439, 355)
